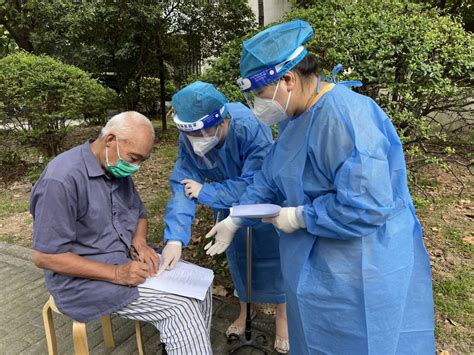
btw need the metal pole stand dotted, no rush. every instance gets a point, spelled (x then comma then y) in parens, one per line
(246, 341)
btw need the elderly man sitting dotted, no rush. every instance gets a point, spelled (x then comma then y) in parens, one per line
(87, 216)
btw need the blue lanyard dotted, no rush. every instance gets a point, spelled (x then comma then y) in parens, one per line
(336, 70)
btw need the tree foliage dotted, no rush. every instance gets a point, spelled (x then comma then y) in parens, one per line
(150, 93)
(129, 40)
(7, 44)
(416, 63)
(40, 97)
(462, 8)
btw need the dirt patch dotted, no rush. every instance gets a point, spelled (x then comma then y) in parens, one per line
(17, 229)
(15, 219)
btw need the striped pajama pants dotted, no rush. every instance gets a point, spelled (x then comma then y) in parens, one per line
(184, 323)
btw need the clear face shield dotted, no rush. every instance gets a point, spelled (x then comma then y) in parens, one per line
(253, 96)
(202, 136)
(253, 85)
(257, 89)
(204, 141)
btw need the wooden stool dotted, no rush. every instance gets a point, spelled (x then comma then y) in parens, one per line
(79, 334)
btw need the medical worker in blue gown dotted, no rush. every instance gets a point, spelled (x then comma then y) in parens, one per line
(356, 272)
(221, 146)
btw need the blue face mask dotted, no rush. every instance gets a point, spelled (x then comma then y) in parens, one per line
(121, 168)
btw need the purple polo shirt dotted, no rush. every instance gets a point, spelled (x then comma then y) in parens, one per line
(76, 208)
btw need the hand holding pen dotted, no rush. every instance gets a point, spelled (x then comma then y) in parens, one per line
(143, 253)
(138, 269)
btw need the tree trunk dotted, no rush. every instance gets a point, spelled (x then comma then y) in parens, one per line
(261, 15)
(162, 87)
(21, 37)
(162, 96)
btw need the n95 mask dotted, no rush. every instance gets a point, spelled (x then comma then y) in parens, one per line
(269, 111)
(202, 145)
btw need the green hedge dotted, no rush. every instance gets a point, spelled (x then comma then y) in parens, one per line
(40, 95)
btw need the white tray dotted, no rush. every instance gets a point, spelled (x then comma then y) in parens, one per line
(255, 211)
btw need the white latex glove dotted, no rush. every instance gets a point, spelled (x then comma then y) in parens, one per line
(224, 232)
(191, 188)
(170, 254)
(287, 221)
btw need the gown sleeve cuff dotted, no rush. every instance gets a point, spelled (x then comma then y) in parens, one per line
(173, 238)
(300, 216)
(206, 195)
(309, 217)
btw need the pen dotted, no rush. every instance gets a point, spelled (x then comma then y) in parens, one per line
(133, 252)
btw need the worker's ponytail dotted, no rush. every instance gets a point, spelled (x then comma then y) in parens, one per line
(307, 67)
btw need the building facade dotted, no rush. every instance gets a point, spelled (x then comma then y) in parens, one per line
(268, 11)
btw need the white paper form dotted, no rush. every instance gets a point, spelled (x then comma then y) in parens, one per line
(185, 279)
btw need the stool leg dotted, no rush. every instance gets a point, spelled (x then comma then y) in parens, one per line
(49, 330)
(107, 331)
(138, 333)
(79, 335)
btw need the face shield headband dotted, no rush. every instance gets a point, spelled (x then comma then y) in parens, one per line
(203, 123)
(270, 74)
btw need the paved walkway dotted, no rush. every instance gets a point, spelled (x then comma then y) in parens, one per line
(23, 294)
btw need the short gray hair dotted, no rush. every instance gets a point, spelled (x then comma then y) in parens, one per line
(124, 123)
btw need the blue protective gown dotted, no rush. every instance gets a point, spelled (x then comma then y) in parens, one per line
(234, 164)
(358, 278)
